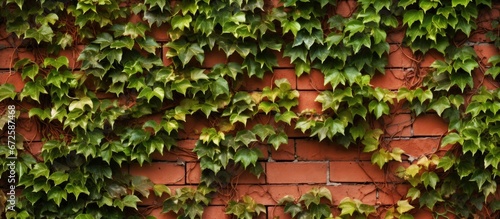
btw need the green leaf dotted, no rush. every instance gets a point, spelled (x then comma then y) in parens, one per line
(404, 206)
(59, 177)
(411, 16)
(81, 103)
(406, 3)
(247, 156)
(40, 169)
(42, 34)
(7, 91)
(455, 3)
(440, 105)
(84, 216)
(30, 71)
(180, 22)
(278, 139)
(354, 26)
(452, 138)
(285, 117)
(430, 179)
(135, 30)
(246, 137)
(263, 131)
(131, 201)
(430, 198)
(148, 43)
(378, 108)
(292, 26)
(57, 194)
(348, 206)
(57, 63)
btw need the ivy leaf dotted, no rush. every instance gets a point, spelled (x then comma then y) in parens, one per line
(354, 26)
(379, 108)
(81, 103)
(406, 3)
(135, 30)
(142, 185)
(430, 198)
(263, 131)
(76, 190)
(348, 206)
(42, 34)
(149, 44)
(404, 206)
(57, 194)
(56, 63)
(285, 117)
(40, 169)
(440, 105)
(411, 16)
(462, 79)
(181, 22)
(247, 156)
(123, 42)
(193, 50)
(430, 179)
(455, 3)
(292, 26)
(7, 91)
(452, 138)
(59, 177)
(131, 201)
(33, 89)
(246, 137)
(277, 139)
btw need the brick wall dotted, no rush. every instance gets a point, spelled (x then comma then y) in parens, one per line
(304, 162)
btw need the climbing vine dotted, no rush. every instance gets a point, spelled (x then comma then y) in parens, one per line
(123, 104)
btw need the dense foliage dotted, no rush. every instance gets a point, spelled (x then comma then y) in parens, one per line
(89, 136)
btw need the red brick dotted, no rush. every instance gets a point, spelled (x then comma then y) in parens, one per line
(193, 126)
(346, 8)
(72, 55)
(213, 58)
(429, 58)
(310, 150)
(400, 57)
(160, 172)
(296, 172)
(242, 177)
(479, 37)
(393, 79)
(29, 129)
(366, 193)
(429, 124)
(390, 194)
(283, 62)
(396, 36)
(285, 152)
(254, 83)
(11, 56)
(481, 80)
(263, 194)
(351, 171)
(485, 51)
(395, 125)
(180, 153)
(307, 102)
(13, 78)
(486, 16)
(312, 81)
(277, 212)
(295, 133)
(157, 213)
(215, 212)
(34, 148)
(159, 33)
(415, 147)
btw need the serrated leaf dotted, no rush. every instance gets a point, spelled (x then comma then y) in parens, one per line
(7, 91)
(57, 194)
(411, 16)
(246, 137)
(180, 22)
(430, 179)
(440, 105)
(81, 103)
(135, 30)
(378, 108)
(42, 34)
(247, 156)
(277, 139)
(285, 117)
